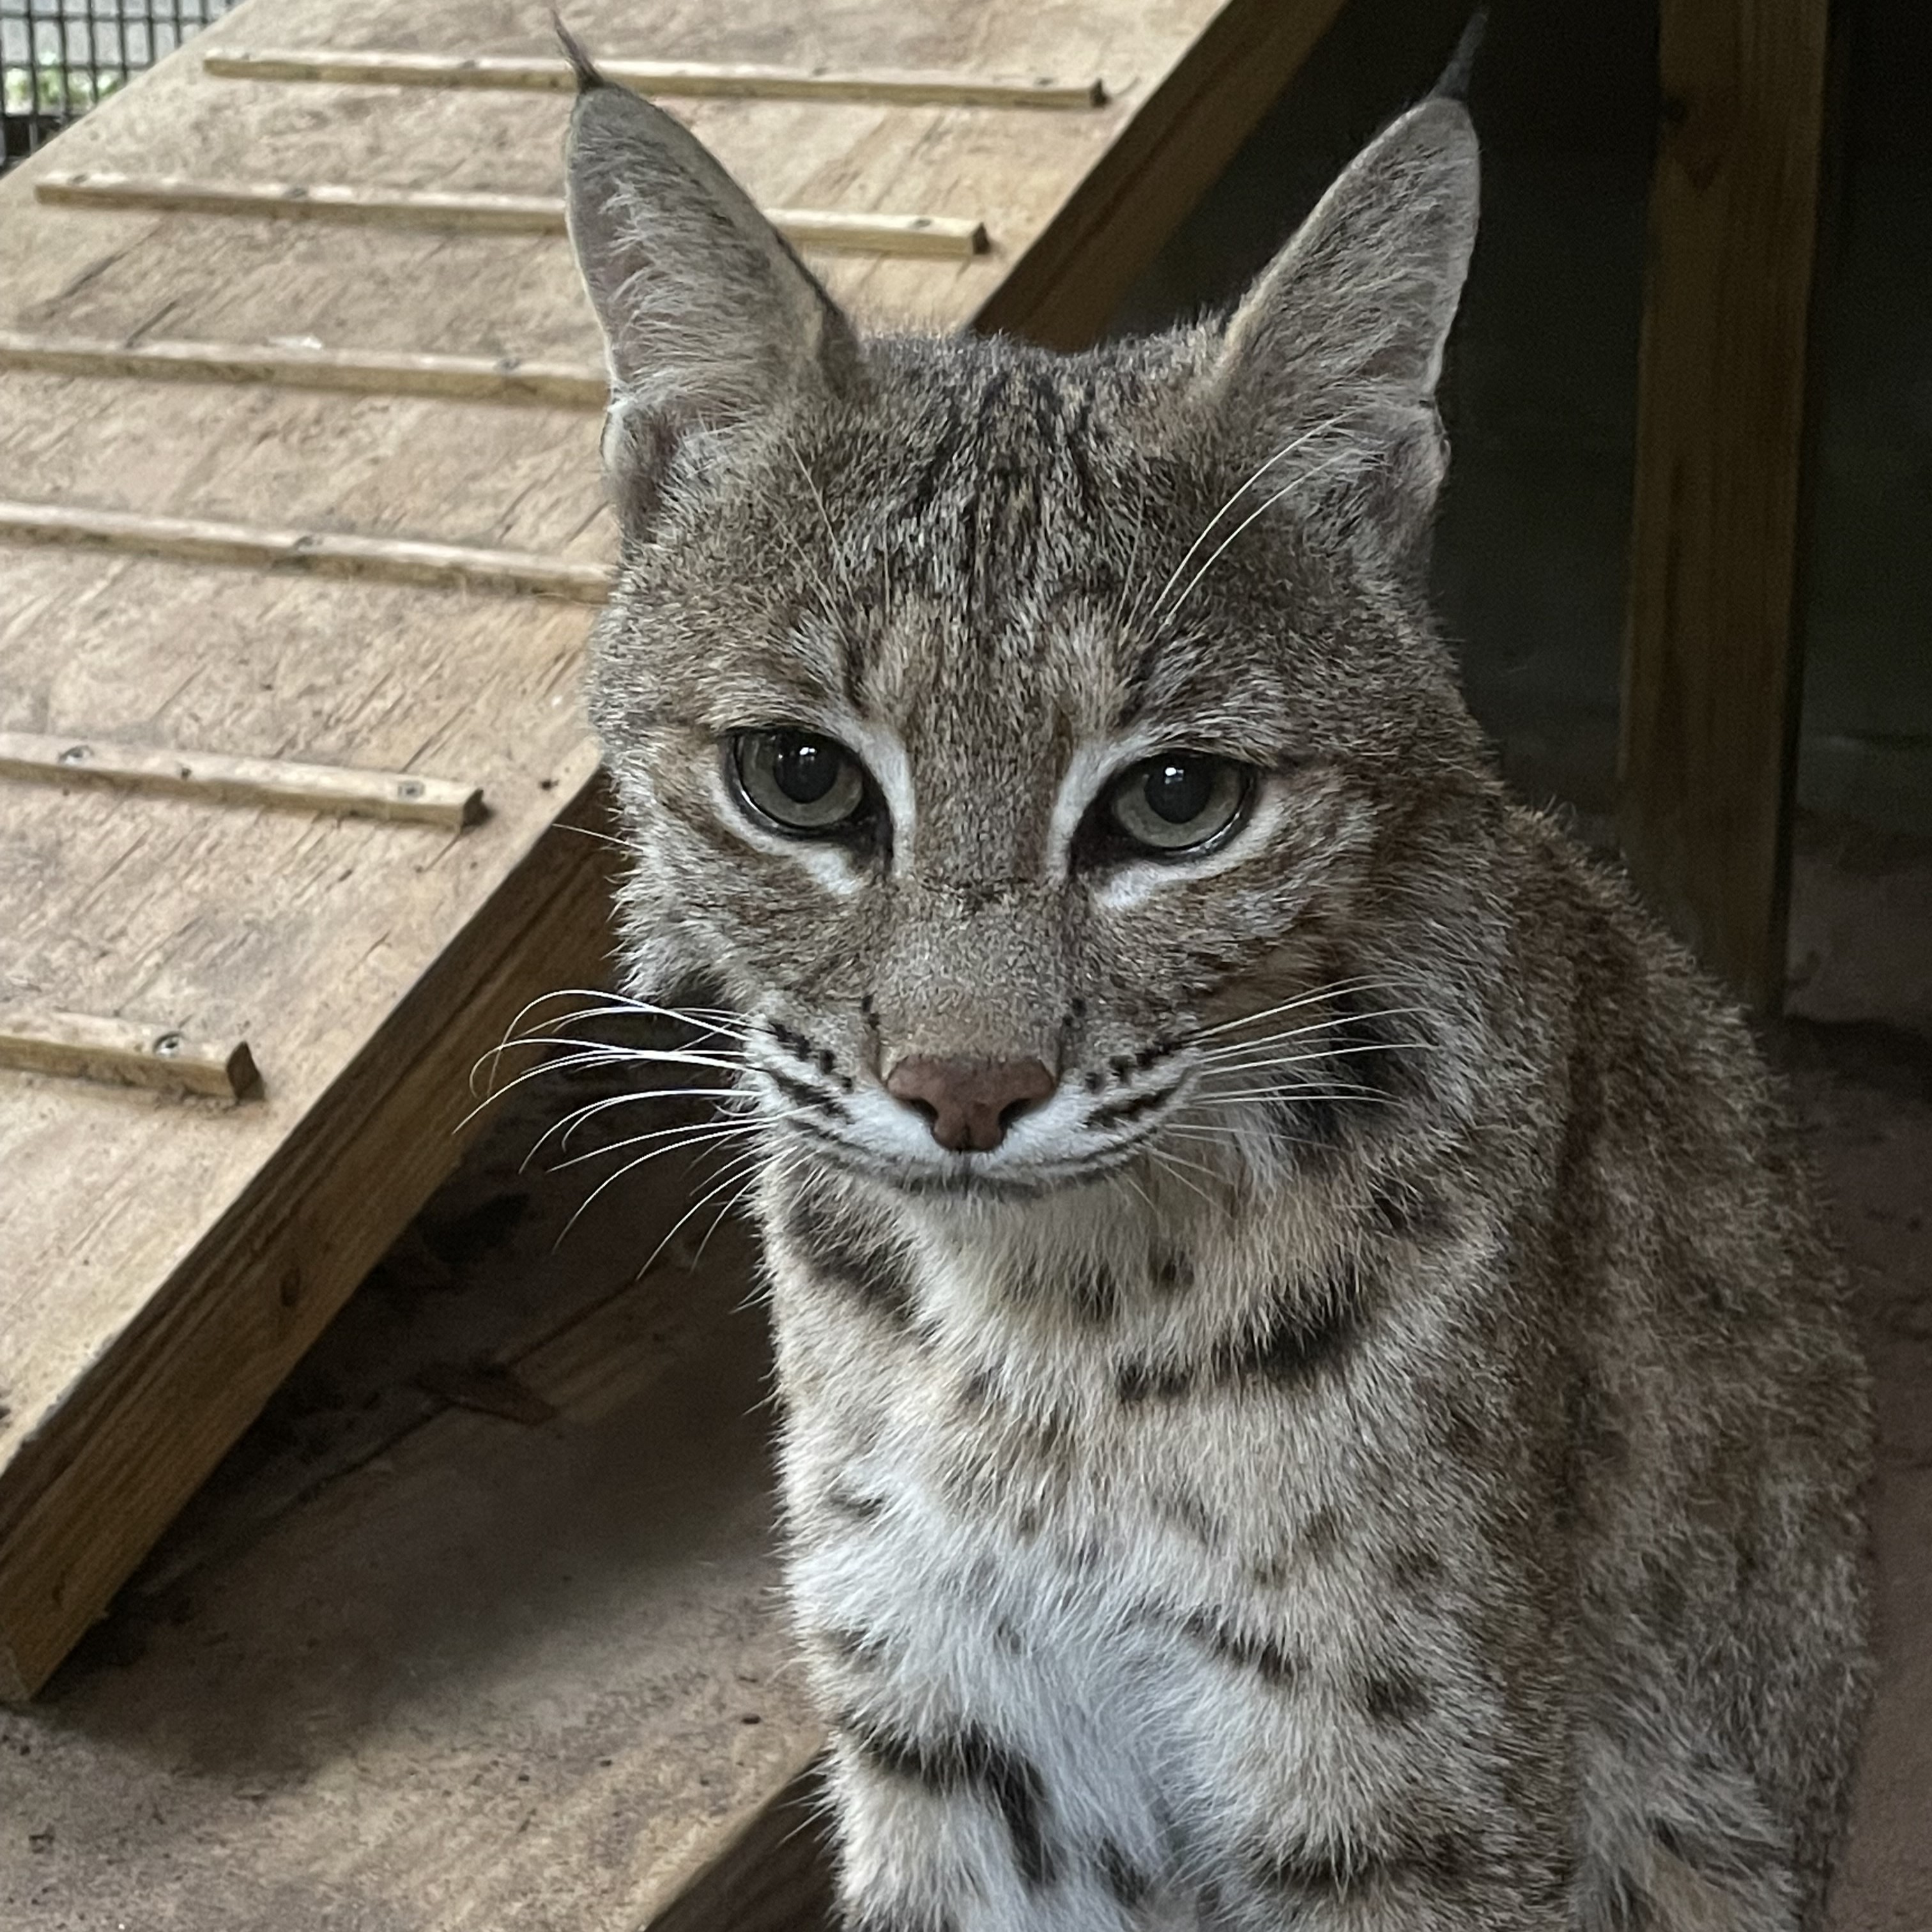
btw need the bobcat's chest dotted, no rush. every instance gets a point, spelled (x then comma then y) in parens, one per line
(1054, 1555)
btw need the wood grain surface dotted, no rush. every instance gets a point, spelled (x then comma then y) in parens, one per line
(880, 233)
(660, 79)
(1712, 654)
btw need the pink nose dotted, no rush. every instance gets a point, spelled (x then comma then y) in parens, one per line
(969, 1104)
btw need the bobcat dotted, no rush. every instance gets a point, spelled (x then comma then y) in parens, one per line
(1314, 1394)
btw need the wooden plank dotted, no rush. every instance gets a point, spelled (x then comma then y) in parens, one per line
(1065, 286)
(325, 552)
(659, 79)
(402, 796)
(941, 237)
(92, 1046)
(1711, 651)
(272, 1267)
(503, 379)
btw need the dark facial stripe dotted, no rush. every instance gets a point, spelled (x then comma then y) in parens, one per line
(796, 1044)
(1088, 1288)
(1118, 1113)
(1361, 1069)
(1143, 1382)
(965, 1760)
(1095, 1295)
(801, 1095)
(842, 1250)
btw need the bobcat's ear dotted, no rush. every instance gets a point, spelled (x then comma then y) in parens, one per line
(1334, 355)
(710, 321)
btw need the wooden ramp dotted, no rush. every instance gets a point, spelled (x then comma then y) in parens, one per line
(301, 527)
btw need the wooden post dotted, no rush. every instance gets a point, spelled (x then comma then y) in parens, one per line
(1712, 653)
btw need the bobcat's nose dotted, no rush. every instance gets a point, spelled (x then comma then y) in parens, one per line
(969, 1104)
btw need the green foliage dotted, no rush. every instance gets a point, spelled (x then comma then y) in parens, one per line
(61, 90)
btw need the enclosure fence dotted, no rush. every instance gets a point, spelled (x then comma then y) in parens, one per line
(58, 57)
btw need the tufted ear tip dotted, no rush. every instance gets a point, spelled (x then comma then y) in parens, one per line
(712, 325)
(1453, 84)
(1333, 359)
(578, 55)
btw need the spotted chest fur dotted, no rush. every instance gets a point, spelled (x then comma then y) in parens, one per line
(1011, 1450)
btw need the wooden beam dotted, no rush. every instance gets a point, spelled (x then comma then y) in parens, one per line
(1064, 288)
(924, 235)
(325, 553)
(503, 378)
(1712, 653)
(126, 1053)
(217, 777)
(660, 79)
(83, 1499)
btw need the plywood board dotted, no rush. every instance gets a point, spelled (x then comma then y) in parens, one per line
(168, 1258)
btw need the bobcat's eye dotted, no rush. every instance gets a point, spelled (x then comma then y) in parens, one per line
(1179, 802)
(798, 781)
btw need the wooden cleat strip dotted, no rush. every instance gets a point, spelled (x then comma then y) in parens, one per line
(217, 777)
(326, 553)
(126, 1053)
(505, 379)
(918, 234)
(662, 80)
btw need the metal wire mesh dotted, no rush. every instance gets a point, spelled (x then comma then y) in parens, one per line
(58, 57)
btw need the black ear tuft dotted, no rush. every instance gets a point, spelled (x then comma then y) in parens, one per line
(1454, 83)
(712, 327)
(578, 55)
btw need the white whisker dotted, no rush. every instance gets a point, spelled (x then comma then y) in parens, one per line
(1281, 455)
(1260, 509)
(1335, 990)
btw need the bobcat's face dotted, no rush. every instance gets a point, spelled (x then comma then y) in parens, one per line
(955, 747)
(1047, 755)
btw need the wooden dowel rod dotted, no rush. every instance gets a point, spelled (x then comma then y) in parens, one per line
(396, 559)
(215, 776)
(90, 1046)
(667, 80)
(506, 379)
(923, 235)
